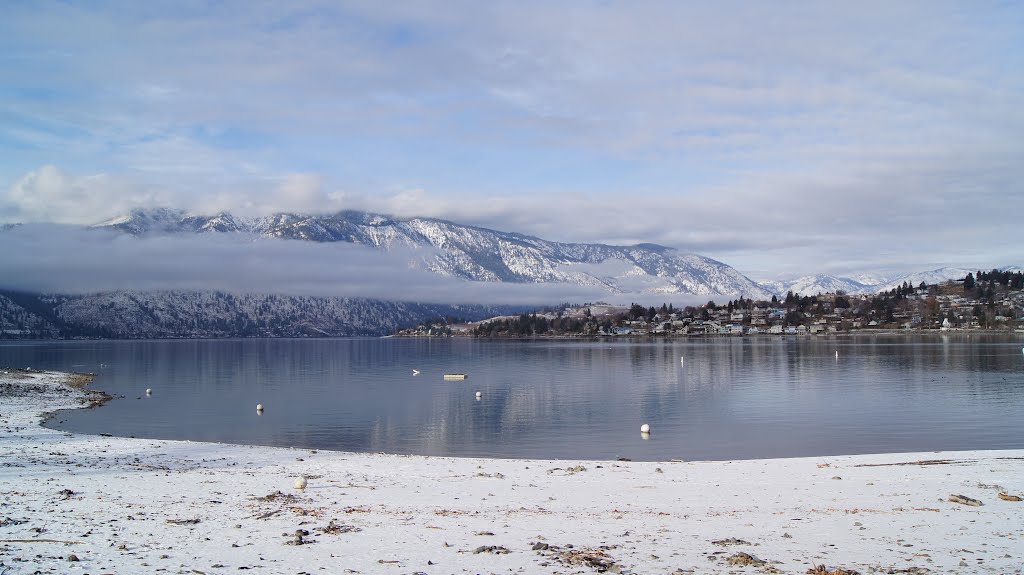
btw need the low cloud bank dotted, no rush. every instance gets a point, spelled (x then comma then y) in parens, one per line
(51, 258)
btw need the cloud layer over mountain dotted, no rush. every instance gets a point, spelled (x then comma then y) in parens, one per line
(67, 259)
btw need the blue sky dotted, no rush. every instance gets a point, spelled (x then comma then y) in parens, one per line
(782, 138)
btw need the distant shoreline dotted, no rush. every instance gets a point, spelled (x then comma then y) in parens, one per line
(853, 333)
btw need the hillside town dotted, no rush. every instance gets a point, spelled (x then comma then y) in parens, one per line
(991, 301)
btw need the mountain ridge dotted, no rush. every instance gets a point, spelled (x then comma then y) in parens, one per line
(475, 253)
(129, 314)
(826, 283)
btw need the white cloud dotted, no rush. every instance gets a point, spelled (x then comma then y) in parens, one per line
(48, 194)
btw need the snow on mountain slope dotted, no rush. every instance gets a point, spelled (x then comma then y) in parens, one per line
(478, 254)
(823, 283)
(190, 314)
(937, 276)
(820, 283)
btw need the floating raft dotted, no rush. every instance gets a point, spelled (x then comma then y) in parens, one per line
(453, 376)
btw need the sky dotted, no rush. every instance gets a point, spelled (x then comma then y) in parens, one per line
(783, 138)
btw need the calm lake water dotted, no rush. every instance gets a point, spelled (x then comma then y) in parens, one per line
(706, 399)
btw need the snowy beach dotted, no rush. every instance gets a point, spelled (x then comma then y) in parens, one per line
(99, 504)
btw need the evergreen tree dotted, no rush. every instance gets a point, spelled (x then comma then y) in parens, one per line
(969, 282)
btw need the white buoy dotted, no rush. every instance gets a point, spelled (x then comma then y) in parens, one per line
(479, 395)
(300, 483)
(415, 372)
(837, 354)
(645, 428)
(259, 407)
(682, 361)
(149, 391)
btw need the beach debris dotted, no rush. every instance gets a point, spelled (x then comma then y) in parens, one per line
(1007, 497)
(597, 559)
(731, 541)
(823, 570)
(300, 483)
(192, 521)
(963, 499)
(922, 462)
(287, 497)
(66, 494)
(495, 549)
(569, 470)
(72, 557)
(299, 538)
(6, 521)
(645, 428)
(336, 529)
(61, 541)
(744, 559)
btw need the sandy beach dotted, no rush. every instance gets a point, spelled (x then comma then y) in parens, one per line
(98, 504)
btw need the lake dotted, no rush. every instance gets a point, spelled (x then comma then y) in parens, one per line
(705, 399)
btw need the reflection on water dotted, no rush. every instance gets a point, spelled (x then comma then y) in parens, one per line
(728, 398)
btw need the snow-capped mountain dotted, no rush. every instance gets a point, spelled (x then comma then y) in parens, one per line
(936, 276)
(476, 253)
(871, 279)
(863, 283)
(815, 284)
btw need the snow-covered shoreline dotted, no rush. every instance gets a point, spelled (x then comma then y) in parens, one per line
(122, 505)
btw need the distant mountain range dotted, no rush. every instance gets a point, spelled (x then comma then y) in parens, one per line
(442, 247)
(482, 254)
(476, 253)
(866, 284)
